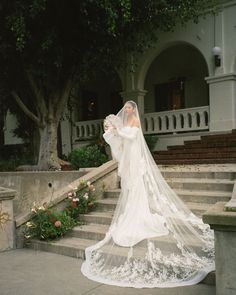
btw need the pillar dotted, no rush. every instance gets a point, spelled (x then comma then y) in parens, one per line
(224, 225)
(222, 93)
(7, 224)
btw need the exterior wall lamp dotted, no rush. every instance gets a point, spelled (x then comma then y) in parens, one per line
(217, 55)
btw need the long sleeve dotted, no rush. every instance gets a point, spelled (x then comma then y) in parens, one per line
(128, 133)
(115, 143)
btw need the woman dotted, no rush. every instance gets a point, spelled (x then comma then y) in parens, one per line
(154, 240)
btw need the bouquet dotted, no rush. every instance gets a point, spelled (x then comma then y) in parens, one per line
(112, 122)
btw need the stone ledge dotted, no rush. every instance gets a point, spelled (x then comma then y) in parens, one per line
(220, 219)
(6, 193)
(92, 176)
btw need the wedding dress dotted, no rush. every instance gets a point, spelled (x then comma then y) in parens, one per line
(154, 240)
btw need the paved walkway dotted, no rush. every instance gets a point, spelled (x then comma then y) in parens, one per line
(29, 272)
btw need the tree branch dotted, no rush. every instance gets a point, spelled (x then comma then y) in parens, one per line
(41, 106)
(25, 109)
(64, 96)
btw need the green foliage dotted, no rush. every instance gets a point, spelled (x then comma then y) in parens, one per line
(49, 224)
(81, 201)
(48, 46)
(11, 156)
(87, 156)
(151, 140)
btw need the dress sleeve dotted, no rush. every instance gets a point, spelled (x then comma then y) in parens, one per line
(129, 133)
(115, 143)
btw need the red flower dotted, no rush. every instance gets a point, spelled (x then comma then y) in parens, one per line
(53, 219)
(73, 204)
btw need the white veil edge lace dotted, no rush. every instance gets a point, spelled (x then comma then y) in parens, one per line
(182, 257)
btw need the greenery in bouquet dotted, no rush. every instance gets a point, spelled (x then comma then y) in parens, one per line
(48, 224)
(81, 201)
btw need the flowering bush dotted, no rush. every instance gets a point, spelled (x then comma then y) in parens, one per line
(47, 224)
(81, 201)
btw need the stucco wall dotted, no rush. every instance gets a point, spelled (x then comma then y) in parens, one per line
(35, 186)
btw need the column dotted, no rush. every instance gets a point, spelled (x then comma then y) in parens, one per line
(222, 101)
(137, 96)
(224, 225)
(7, 224)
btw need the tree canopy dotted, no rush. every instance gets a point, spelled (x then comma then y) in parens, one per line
(48, 45)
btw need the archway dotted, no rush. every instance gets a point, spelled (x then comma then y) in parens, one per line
(175, 79)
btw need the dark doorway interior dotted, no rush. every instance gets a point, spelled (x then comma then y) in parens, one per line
(169, 95)
(90, 105)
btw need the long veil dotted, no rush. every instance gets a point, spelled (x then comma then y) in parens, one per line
(154, 240)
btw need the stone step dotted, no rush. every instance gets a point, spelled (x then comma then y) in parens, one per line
(198, 208)
(114, 193)
(68, 246)
(97, 217)
(217, 137)
(89, 231)
(75, 247)
(198, 174)
(109, 204)
(201, 184)
(204, 197)
(200, 155)
(194, 150)
(198, 195)
(195, 161)
(200, 144)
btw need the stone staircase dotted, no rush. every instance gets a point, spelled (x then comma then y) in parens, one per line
(210, 149)
(199, 186)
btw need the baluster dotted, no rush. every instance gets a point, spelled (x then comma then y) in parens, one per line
(171, 123)
(185, 121)
(194, 120)
(178, 122)
(202, 121)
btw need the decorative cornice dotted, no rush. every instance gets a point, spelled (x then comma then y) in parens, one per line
(133, 93)
(221, 78)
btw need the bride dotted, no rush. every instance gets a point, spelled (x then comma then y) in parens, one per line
(154, 240)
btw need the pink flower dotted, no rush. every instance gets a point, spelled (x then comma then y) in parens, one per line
(91, 187)
(57, 223)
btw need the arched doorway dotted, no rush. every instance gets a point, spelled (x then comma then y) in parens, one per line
(175, 80)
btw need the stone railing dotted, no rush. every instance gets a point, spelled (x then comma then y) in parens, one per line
(184, 120)
(85, 130)
(7, 224)
(192, 119)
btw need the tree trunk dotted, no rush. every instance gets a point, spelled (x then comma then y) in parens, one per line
(48, 157)
(48, 114)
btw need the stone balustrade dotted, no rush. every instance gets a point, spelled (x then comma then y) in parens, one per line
(85, 130)
(183, 120)
(7, 224)
(192, 119)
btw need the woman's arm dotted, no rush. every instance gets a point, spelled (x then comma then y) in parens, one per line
(130, 133)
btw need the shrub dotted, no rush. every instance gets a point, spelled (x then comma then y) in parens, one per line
(151, 141)
(88, 156)
(48, 224)
(81, 201)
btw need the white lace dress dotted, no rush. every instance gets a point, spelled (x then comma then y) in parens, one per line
(154, 240)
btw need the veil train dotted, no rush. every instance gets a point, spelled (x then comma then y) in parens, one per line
(154, 240)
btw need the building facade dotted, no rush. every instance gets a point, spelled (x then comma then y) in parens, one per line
(185, 86)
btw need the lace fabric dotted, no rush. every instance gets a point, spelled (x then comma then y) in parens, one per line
(154, 240)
